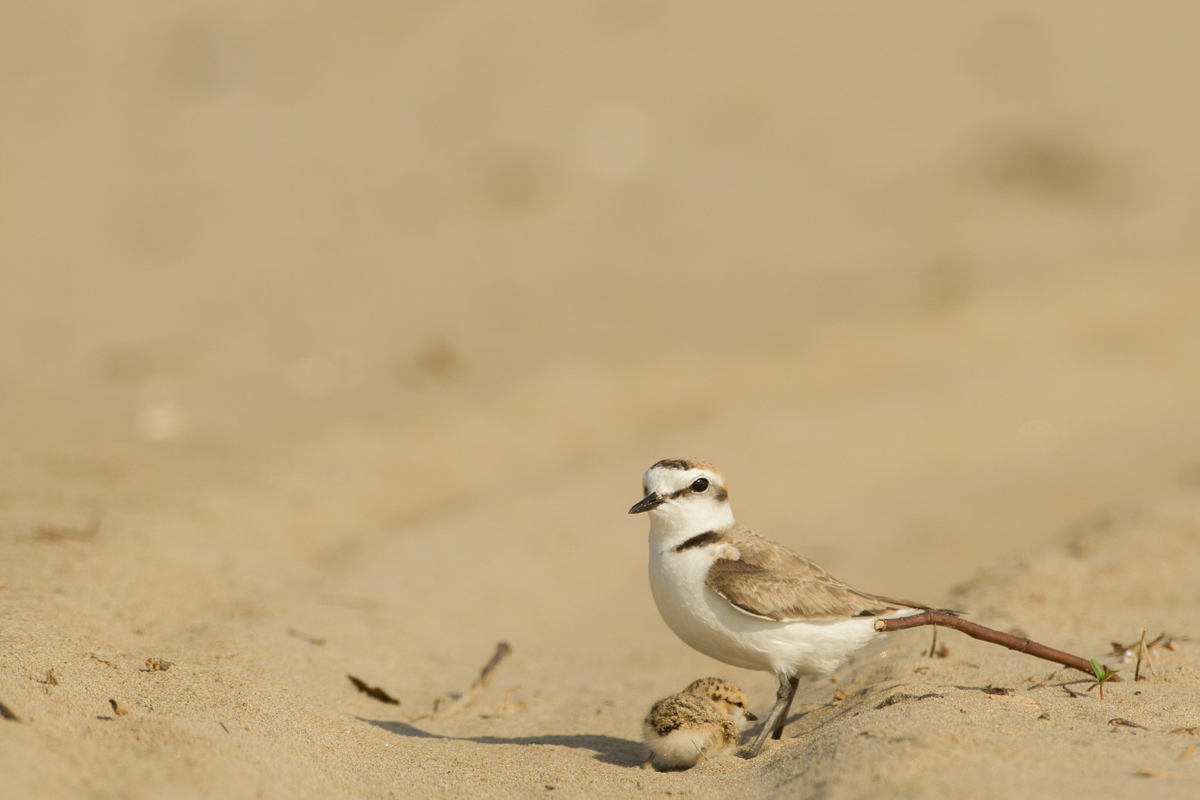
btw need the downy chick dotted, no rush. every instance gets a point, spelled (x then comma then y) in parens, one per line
(703, 720)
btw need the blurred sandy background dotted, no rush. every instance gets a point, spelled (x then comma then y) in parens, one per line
(363, 320)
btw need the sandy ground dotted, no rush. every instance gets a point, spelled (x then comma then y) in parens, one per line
(257, 703)
(334, 341)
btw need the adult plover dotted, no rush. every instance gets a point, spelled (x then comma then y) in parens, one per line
(703, 720)
(743, 599)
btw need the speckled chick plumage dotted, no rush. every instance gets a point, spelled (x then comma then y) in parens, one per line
(727, 697)
(702, 721)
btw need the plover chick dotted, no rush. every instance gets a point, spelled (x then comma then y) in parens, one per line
(686, 728)
(741, 598)
(727, 697)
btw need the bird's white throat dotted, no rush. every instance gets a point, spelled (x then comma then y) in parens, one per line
(672, 524)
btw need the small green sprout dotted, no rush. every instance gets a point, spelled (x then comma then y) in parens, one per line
(1103, 675)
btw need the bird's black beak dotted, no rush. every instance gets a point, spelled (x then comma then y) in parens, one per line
(751, 717)
(648, 502)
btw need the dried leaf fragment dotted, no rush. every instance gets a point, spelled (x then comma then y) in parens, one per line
(59, 533)
(1126, 652)
(902, 697)
(1121, 722)
(373, 691)
(313, 640)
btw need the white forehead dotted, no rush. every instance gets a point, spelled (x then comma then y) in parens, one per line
(666, 480)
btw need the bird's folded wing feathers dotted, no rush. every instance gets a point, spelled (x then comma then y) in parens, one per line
(770, 581)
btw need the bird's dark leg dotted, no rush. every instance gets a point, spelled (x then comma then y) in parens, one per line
(793, 682)
(783, 698)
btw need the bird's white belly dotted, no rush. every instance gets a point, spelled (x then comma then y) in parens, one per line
(708, 623)
(683, 748)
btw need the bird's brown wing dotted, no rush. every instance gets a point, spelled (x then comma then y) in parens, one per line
(768, 580)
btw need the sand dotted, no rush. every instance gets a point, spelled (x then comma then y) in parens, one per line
(335, 339)
(257, 702)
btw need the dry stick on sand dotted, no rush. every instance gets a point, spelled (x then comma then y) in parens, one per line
(976, 631)
(472, 694)
(1143, 652)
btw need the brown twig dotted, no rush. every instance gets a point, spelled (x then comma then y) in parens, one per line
(984, 634)
(485, 675)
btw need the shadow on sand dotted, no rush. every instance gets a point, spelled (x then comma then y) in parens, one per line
(608, 749)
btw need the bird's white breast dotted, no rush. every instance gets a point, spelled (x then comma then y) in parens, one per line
(710, 624)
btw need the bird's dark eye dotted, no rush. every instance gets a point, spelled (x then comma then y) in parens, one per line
(700, 485)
